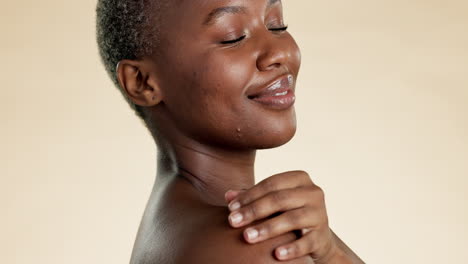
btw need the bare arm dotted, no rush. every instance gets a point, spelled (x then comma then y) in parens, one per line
(296, 203)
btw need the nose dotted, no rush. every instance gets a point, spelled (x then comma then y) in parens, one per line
(274, 53)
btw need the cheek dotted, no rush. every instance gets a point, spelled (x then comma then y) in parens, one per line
(233, 117)
(225, 79)
(207, 99)
(218, 95)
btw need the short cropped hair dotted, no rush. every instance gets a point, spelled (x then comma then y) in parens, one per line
(126, 29)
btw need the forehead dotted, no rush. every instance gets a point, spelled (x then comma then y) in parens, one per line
(190, 9)
(182, 21)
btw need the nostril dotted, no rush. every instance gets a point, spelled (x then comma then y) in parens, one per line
(274, 66)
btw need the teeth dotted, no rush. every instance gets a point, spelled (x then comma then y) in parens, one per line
(275, 86)
(280, 94)
(290, 80)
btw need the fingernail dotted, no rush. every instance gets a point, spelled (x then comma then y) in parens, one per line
(236, 218)
(234, 206)
(252, 233)
(283, 252)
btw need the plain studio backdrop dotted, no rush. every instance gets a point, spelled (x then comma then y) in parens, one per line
(382, 105)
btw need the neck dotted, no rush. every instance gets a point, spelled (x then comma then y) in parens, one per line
(211, 171)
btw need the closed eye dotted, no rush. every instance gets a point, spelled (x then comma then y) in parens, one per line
(279, 29)
(233, 40)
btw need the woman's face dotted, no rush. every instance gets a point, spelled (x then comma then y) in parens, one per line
(227, 71)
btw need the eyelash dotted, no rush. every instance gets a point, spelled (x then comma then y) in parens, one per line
(284, 28)
(280, 29)
(233, 41)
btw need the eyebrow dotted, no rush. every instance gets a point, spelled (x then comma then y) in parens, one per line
(220, 11)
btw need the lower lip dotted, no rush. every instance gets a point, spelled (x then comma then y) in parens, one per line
(280, 102)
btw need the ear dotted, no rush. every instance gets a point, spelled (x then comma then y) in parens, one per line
(138, 82)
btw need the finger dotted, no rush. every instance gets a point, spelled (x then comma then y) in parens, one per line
(307, 245)
(286, 180)
(232, 194)
(282, 224)
(278, 201)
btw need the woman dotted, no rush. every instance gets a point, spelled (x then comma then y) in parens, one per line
(214, 81)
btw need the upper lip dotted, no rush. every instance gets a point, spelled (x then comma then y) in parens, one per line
(279, 84)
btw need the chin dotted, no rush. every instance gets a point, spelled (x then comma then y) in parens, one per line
(276, 140)
(260, 130)
(274, 132)
(260, 136)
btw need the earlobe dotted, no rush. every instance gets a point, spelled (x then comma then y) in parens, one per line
(137, 83)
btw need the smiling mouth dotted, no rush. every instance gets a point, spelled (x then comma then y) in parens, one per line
(279, 95)
(269, 95)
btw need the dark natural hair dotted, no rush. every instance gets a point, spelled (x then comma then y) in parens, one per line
(125, 30)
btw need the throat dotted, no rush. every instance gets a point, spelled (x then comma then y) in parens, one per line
(211, 185)
(212, 172)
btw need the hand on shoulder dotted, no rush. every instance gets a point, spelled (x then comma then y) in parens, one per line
(215, 241)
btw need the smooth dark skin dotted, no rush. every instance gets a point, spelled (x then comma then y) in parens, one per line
(207, 130)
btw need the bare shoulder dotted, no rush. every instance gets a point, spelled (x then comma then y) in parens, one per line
(212, 240)
(177, 228)
(201, 236)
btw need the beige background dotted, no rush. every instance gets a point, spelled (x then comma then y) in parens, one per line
(383, 128)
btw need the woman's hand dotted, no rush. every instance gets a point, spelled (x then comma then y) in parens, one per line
(302, 207)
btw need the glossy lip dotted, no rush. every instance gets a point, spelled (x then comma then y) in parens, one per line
(278, 95)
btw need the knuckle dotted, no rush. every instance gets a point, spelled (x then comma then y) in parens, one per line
(308, 190)
(278, 198)
(319, 191)
(301, 173)
(253, 211)
(313, 246)
(270, 185)
(303, 177)
(295, 249)
(245, 199)
(297, 217)
(266, 230)
(323, 224)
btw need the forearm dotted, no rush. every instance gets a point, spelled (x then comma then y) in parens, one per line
(342, 254)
